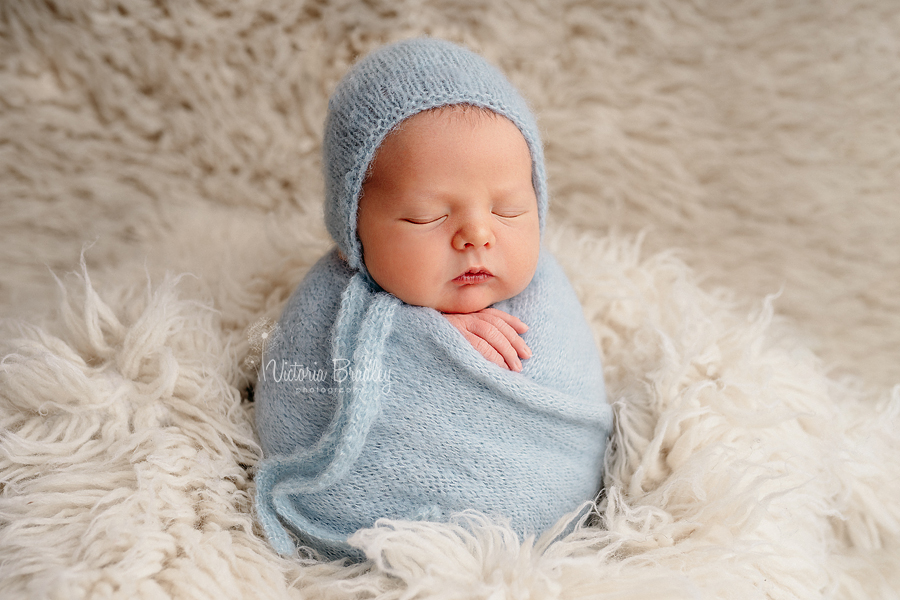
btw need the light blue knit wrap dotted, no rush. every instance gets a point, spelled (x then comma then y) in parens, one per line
(391, 85)
(368, 407)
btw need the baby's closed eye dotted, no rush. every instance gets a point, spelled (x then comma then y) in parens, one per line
(509, 213)
(425, 220)
(512, 206)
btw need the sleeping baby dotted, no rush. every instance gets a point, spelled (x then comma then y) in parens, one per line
(437, 359)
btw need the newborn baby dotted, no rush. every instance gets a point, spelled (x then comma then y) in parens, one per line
(437, 359)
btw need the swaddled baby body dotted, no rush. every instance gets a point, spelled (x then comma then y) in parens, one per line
(453, 366)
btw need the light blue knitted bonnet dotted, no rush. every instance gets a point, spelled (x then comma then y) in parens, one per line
(391, 85)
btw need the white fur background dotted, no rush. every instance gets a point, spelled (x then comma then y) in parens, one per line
(757, 139)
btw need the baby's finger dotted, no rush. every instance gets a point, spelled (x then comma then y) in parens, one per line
(512, 335)
(485, 349)
(499, 341)
(513, 322)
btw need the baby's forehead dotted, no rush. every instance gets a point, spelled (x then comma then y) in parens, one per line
(467, 115)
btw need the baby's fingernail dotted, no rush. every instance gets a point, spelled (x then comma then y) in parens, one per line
(527, 352)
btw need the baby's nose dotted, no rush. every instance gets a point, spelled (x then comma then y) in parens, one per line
(473, 233)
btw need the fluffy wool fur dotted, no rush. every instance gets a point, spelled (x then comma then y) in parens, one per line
(759, 137)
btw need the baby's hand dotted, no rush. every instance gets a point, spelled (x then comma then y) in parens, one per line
(495, 334)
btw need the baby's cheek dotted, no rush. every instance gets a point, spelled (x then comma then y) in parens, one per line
(411, 280)
(523, 262)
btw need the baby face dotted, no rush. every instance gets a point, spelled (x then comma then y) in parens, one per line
(448, 217)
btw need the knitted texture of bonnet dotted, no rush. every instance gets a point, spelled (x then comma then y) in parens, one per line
(391, 85)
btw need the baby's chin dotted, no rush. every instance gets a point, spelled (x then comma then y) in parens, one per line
(467, 303)
(456, 303)
(461, 308)
(468, 299)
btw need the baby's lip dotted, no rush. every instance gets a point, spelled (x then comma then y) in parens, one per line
(474, 275)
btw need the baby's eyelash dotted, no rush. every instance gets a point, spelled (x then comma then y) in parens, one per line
(426, 221)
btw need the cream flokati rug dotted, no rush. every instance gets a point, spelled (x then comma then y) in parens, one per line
(175, 145)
